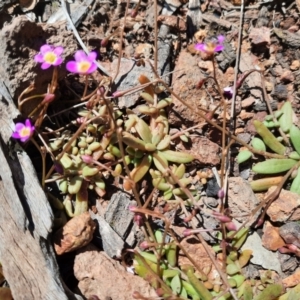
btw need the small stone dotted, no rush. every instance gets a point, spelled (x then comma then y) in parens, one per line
(206, 66)
(241, 198)
(290, 232)
(292, 280)
(271, 239)
(285, 208)
(246, 115)
(287, 76)
(229, 74)
(260, 255)
(280, 92)
(204, 150)
(248, 102)
(77, 233)
(295, 65)
(269, 86)
(260, 36)
(212, 187)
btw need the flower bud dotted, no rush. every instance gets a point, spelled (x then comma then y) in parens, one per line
(87, 159)
(221, 194)
(138, 219)
(231, 226)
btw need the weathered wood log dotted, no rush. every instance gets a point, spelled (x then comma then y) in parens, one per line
(26, 251)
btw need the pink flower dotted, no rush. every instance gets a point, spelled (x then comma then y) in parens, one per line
(83, 64)
(211, 47)
(49, 56)
(23, 131)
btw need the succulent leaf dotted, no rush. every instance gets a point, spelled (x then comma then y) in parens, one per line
(268, 137)
(274, 165)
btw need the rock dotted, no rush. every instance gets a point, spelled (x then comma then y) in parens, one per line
(77, 233)
(106, 278)
(212, 187)
(285, 208)
(245, 115)
(172, 21)
(248, 102)
(111, 242)
(20, 41)
(271, 239)
(260, 255)
(288, 263)
(241, 198)
(118, 216)
(295, 65)
(197, 252)
(287, 76)
(280, 92)
(186, 76)
(204, 150)
(260, 116)
(260, 37)
(290, 232)
(292, 280)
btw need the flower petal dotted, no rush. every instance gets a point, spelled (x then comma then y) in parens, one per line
(45, 48)
(45, 65)
(16, 135)
(200, 47)
(219, 48)
(24, 139)
(80, 55)
(92, 56)
(28, 123)
(39, 58)
(19, 126)
(221, 39)
(58, 50)
(58, 61)
(92, 68)
(72, 67)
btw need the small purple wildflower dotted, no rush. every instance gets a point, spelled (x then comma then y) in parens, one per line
(84, 64)
(228, 92)
(23, 131)
(49, 56)
(212, 46)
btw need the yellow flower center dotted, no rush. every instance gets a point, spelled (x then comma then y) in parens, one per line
(84, 66)
(25, 132)
(50, 57)
(210, 47)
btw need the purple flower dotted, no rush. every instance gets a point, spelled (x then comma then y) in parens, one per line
(228, 92)
(212, 46)
(83, 64)
(49, 56)
(23, 131)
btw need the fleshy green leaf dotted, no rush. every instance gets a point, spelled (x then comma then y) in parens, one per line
(274, 165)
(243, 156)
